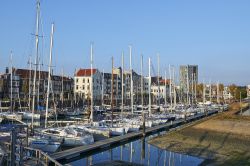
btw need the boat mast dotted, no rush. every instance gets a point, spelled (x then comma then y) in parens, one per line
(218, 93)
(195, 88)
(122, 109)
(38, 82)
(116, 98)
(11, 83)
(192, 89)
(30, 84)
(49, 75)
(102, 87)
(142, 87)
(210, 91)
(36, 61)
(74, 92)
(112, 91)
(174, 87)
(170, 87)
(204, 92)
(158, 79)
(188, 101)
(62, 89)
(131, 80)
(165, 93)
(149, 86)
(92, 82)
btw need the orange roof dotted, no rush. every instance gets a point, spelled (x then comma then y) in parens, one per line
(85, 72)
(24, 73)
(163, 81)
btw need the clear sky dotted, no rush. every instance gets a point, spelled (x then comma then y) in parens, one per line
(214, 34)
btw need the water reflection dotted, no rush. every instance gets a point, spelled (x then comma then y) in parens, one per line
(140, 152)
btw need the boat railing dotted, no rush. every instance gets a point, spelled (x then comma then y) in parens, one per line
(30, 156)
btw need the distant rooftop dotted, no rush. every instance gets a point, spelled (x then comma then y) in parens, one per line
(85, 72)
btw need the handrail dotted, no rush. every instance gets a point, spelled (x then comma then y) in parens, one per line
(43, 158)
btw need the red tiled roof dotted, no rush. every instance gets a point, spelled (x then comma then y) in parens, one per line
(163, 81)
(24, 73)
(85, 72)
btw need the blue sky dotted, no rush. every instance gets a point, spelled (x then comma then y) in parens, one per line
(215, 34)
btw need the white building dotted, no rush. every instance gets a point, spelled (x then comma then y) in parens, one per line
(83, 83)
(248, 91)
(226, 93)
(159, 93)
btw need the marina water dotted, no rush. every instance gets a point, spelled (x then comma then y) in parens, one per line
(133, 152)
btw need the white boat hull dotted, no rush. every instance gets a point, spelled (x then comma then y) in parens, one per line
(116, 131)
(45, 145)
(28, 116)
(70, 140)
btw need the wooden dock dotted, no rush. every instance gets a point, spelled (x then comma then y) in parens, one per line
(99, 146)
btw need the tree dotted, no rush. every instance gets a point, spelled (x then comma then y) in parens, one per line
(199, 89)
(221, 88)
(232, 89)
(241, 91)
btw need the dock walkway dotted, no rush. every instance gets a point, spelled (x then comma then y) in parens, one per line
(99, 146)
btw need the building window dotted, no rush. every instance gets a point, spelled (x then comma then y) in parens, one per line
(77, 80)
(83, 80)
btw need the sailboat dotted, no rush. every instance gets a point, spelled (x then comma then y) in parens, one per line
(106, 126)
(9, 113)
(115, 128)
(132, 122)
(44, 144)
(68, 136)
(26, 114)
(39, 141)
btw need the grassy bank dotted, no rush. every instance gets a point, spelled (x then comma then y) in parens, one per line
(221, 140)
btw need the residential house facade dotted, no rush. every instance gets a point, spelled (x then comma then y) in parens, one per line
(83, 81)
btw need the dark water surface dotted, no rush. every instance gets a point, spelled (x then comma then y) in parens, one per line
(133, 152)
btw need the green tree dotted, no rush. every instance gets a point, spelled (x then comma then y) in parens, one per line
(241, 91)
(199, 89)
(232, 89)
(221, 88)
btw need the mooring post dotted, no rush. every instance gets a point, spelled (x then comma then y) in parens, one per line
(143, 148)
(13, 147)
(143, 116)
